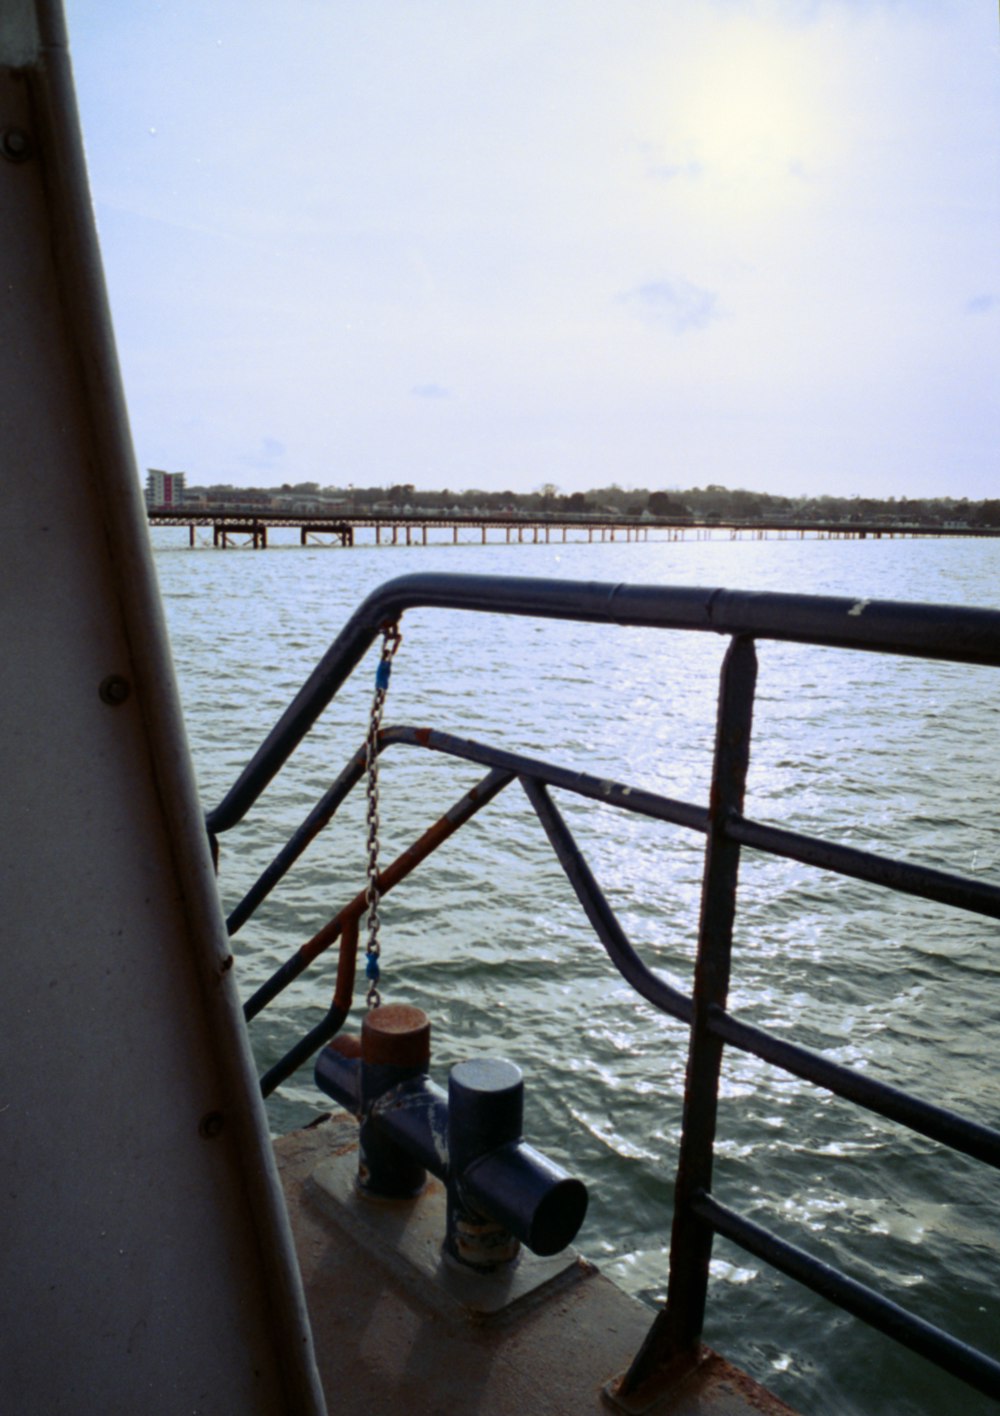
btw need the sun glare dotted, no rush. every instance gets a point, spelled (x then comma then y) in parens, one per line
(748, 115)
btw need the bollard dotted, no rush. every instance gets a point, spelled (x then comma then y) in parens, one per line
(382, 1079)
(395, 1054)
(498, 1173)
(485, 1110)
(501, 1191)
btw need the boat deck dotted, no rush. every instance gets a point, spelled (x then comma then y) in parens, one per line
(396, 1328)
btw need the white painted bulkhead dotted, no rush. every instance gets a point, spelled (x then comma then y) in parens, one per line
(145, 1259)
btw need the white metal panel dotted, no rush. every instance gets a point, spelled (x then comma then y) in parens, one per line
(145, 1263)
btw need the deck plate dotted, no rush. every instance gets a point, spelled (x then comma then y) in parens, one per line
(407, 1235)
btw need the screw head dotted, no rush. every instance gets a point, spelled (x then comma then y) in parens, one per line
(15, 145)
(114, 690)
(210, 1126)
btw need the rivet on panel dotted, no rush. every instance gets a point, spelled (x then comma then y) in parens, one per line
(114, 690)
(211, 1125)
(15, 145)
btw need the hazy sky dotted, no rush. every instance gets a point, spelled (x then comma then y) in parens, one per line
(464, 243)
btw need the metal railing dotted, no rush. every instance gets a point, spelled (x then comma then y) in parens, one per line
(938, 632)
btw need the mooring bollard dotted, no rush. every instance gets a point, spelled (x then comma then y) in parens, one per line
(485, 1113)
(395, 1056)
(501, 1191)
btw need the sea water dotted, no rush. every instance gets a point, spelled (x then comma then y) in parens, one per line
(893, 755)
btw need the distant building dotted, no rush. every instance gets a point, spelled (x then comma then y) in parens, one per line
(164, 488)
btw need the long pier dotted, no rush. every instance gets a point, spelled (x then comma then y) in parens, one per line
(234, 526)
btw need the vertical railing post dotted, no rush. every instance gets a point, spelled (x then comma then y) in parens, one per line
(676, 1333)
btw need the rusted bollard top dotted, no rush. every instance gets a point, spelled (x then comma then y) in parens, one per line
(346, 1045)
(396, 1035)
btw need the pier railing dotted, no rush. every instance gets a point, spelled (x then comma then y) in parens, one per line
(937, 632)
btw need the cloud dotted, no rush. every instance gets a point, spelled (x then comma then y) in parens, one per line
(268, 455)
(809, 11)
(982, 304)
(660, 167)
(431, 390)
(670, 171)
(676, 305)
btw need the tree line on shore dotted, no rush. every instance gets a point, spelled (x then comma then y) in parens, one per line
(709, 503)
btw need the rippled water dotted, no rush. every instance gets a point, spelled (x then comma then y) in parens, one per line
(895, 755)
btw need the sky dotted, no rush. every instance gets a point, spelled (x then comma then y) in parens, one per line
(502, 243)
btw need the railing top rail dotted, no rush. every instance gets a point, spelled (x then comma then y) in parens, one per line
(947, 632)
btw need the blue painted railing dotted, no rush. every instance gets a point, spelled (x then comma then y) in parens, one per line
(949, 633)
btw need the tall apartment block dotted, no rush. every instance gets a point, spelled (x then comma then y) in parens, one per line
(164, 488)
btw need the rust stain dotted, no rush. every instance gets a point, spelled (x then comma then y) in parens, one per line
(346, 1044)
(343, 994)
(705, 1378)
(716, 1373)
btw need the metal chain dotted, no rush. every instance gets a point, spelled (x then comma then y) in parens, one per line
(391, 640)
